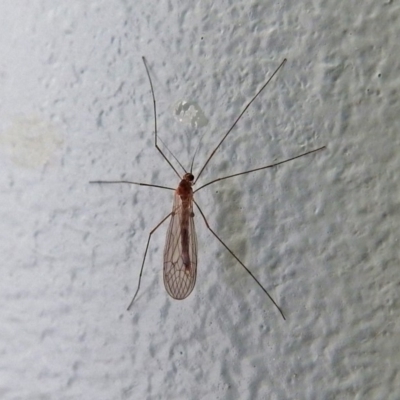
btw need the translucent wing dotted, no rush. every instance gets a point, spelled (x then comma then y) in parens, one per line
(180, 253)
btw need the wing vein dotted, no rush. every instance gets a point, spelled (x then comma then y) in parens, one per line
(180, 253)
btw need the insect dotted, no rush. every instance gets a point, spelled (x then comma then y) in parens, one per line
(180, 252)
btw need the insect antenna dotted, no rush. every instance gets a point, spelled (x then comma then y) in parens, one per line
(195, 152)
(239, 117)
(172, 154)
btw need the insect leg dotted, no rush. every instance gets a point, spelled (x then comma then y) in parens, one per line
(155, 118)
(239, 117)
(134, 183)
(259, 169)
(237, 259)
(144, 258)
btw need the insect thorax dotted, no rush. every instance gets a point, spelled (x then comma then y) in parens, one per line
(184, 189)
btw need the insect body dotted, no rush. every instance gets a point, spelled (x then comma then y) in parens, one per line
(180, 253)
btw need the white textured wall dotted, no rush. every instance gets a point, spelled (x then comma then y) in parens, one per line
(321, 233)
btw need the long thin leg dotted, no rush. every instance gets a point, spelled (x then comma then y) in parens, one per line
(144, 258)
(238, 118)
(155, 118)
(259, 169)
(135, 183)
(237, 259)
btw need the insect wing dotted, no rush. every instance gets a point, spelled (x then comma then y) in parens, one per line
(180, 267)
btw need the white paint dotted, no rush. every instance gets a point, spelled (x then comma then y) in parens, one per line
(321, 233)
(30, 142)
(190, 113)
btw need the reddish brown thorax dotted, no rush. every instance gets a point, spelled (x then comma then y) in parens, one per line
(184, 189)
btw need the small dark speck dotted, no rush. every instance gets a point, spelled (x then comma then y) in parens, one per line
(202, 38)
(379, 75)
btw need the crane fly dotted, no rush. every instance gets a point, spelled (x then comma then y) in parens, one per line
(180, 252)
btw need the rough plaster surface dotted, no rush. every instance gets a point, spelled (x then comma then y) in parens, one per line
(321, 233)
